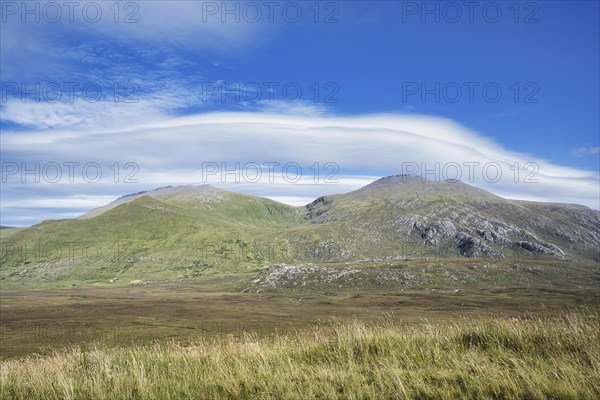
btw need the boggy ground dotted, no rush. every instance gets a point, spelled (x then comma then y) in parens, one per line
(38, 321)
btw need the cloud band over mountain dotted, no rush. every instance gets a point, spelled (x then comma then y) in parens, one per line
(210, 146)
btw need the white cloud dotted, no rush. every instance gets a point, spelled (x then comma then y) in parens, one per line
(78, 201)
(137, 103)
(182, 24)
(282, 107)
(585, 151)
(172, 151)
(187, 24)
(80, 113)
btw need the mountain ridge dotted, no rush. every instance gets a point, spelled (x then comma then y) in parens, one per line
(183, 230)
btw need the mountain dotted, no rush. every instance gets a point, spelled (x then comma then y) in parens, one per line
(460, 219)
(193, 231)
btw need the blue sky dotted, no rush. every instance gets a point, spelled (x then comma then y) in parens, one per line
(362, 68)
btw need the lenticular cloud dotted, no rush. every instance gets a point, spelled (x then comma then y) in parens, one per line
(289, 156)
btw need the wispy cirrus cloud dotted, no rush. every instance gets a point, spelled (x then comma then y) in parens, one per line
(169, 27)
(147, 60)
(585, 151)
(80, 111)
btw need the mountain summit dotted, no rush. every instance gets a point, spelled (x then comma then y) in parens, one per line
(188, 192)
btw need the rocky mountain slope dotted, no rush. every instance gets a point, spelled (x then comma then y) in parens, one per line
(459, 219)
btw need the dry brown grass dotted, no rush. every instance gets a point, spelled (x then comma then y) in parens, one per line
(487, 358)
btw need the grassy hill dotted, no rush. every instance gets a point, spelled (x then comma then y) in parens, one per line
(162, 235)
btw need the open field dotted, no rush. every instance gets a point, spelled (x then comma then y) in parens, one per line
(42, 320)
(453, 329)
(479, 358)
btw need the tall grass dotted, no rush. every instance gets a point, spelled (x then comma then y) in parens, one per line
(492, 358)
